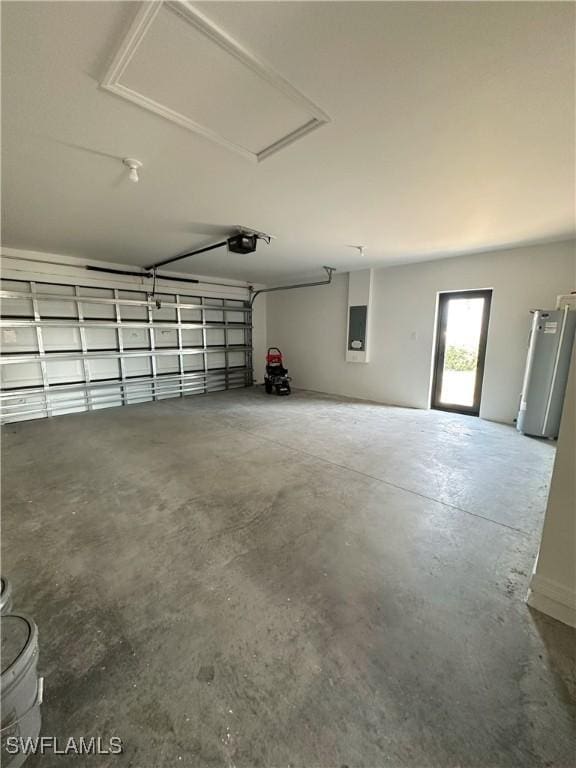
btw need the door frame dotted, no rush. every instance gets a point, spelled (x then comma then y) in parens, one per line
(440, 348)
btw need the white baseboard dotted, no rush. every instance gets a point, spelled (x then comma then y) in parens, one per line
(553, 598)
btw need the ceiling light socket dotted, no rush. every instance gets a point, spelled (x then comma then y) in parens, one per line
(134, 166)
(360, 248)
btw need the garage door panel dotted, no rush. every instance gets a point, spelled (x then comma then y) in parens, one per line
(68, 348)
(19, 340)
(64, 371)
(236, 336)
(164, 337)
(131, 311)
(216, 360)
(139, 392)
(61, 339)
(167, 387)
(234, 316)
(193, 363)
(101, 338)
(106, 397)
(53, 307)
(235, 359)
(215, 337)
(191, 337)
(21, 375)
(22, 286)
(24, 407)
(92, 310)
(138, 366)
(165, 312)
(167, 363)
(103, 368)
(19, 306)
(62, 402)
(135, 338)
(191, 315)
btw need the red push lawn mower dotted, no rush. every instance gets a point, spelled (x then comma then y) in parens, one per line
(276, 377)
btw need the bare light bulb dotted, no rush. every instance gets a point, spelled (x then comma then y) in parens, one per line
(133, 165)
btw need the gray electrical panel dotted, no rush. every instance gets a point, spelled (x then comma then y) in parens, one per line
(357, 328)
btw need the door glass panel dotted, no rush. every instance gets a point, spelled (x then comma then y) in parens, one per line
(462, 343)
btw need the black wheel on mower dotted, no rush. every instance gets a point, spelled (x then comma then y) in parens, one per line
(268, 387)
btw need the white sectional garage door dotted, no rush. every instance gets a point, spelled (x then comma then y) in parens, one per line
(69, 348)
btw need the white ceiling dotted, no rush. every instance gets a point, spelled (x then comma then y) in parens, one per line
(177, 63)
(452, 131)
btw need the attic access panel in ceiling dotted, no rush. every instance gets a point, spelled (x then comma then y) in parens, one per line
(176, 62)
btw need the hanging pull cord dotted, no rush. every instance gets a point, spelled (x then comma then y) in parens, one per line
(158, 302)
(152, 296)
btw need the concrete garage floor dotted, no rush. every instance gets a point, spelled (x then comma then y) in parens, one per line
(243, 580)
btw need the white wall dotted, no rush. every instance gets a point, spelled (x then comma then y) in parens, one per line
(553, 586)
(259, 336)
(309, 325)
